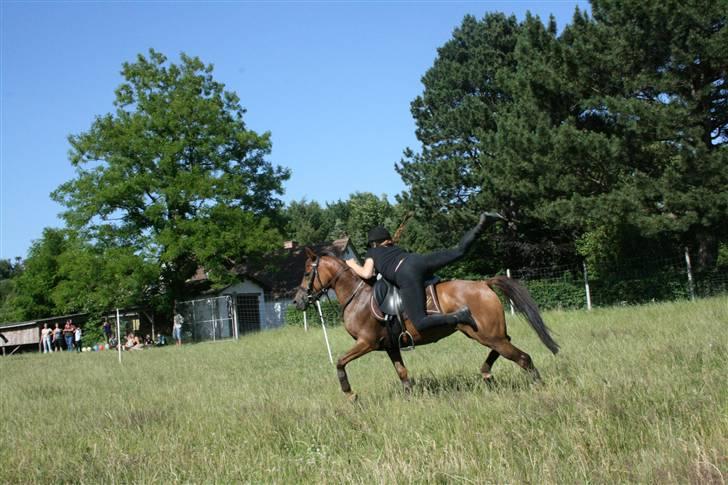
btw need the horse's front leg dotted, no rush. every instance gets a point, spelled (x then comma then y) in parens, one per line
(360, 348)
(395, 355)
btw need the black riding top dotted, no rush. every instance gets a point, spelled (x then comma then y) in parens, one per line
(386, 259)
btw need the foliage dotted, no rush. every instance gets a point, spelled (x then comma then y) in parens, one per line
(309, 223)
(41, 274)
(330, 310)
(66, 274)
(174, 176)
(566, 293)
(8, 271)
(611, 134)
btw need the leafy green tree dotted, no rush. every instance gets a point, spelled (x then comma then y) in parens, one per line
(483, 121)
(32, 297)
(8, 271)
(609, 137)
(366, 210)
(307, 222)
(664, 109)
(174, 174)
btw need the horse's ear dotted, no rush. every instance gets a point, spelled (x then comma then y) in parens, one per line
(310, 253)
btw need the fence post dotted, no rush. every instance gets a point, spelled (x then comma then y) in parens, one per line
(234, 315)
(586, 287)
(513, 311)
(691, 287)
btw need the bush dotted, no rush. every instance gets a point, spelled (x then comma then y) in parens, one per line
(557, 293)
(330, 309)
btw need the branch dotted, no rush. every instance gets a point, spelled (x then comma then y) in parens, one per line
(400, 229)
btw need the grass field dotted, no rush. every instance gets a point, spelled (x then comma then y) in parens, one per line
(637, 394)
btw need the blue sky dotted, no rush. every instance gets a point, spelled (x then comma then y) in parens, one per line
(332, 82)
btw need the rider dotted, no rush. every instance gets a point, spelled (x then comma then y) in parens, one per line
(409, 271)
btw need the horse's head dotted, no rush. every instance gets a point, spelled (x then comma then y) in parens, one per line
(316, 278)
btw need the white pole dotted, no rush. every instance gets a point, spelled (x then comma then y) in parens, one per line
(213, 310)
(326, 336)
(586, 287)
(690, 274)
(513, 311)
(118, 334)
(235, 317)
(305, 323)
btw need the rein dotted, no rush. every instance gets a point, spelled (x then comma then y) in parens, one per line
(324, 289)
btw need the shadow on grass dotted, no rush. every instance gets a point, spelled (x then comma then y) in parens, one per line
(449, 384)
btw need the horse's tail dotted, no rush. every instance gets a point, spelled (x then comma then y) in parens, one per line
(523, 302)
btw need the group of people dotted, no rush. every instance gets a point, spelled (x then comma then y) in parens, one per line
(69, 336)
(53, 339)
(134, 342)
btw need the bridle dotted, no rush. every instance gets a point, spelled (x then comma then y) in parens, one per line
(313, 295)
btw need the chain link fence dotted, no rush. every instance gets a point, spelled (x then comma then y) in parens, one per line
(631, 282)
(229, 316)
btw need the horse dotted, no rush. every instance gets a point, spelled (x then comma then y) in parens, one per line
(327, 271)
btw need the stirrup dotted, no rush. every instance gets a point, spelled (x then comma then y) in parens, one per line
(411, 345)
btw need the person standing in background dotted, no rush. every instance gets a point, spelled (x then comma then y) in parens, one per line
(177, 328)
(77, 338)
(68, 329)
(107, 330)
(57, 338)
(45, 337)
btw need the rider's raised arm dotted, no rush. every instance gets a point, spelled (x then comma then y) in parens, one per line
(366, 271)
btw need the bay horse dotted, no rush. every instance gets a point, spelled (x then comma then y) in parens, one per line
(326, 271)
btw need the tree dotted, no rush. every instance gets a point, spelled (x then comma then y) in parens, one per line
(607, 138)
(174, 174)
(35, 285)
(8, 272)
(483, 120)
(307, 222)
(366, 210)
(667, 103)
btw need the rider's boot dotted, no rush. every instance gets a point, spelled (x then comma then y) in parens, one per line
(463, 315)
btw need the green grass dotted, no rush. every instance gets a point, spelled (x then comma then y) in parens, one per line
(638, 395)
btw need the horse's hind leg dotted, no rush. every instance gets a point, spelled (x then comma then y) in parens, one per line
(395, 355)
(360, 348)
(511, 352)
(488, 364)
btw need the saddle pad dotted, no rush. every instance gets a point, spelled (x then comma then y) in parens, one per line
(432, 304)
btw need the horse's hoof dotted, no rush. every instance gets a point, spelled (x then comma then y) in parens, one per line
(353, 397)
(488, 378)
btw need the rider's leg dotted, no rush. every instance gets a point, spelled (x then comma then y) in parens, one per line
(413, 299)
(438, 259)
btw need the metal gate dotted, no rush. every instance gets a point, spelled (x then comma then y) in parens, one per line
(207, 318)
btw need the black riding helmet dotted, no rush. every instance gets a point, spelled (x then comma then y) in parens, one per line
(378, 234)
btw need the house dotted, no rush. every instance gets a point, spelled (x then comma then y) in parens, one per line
(261, 297)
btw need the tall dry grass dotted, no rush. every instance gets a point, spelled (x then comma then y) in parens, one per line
(638, 394)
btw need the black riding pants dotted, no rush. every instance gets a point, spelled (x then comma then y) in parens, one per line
(413, 272)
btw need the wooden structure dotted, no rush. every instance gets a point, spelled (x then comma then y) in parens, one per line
(20, 336)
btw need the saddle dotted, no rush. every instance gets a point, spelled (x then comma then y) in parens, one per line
(386, 306)
(387, 302)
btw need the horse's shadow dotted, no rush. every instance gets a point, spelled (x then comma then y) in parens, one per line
(448, 384)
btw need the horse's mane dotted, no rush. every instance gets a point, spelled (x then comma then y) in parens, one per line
(329, 252)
